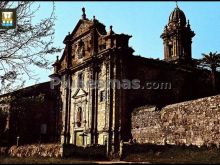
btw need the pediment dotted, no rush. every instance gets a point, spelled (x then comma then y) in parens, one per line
(79, 93)
(81, 27)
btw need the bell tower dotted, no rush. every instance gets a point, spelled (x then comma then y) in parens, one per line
(177, 38)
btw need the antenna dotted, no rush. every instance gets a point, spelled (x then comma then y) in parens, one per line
(176, 4)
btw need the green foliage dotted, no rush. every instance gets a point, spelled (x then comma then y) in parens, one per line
(211, 60)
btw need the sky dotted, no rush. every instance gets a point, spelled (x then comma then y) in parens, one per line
(143, 20)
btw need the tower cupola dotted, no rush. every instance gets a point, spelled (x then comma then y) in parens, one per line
(177, 38)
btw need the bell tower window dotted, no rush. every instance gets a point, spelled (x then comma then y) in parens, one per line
(170, 48)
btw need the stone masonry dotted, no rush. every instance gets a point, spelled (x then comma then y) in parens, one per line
(194, 122)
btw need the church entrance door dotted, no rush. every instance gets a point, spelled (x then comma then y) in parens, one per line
(78, 138)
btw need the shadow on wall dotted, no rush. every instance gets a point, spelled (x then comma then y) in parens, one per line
(3, 130)
(32, 115)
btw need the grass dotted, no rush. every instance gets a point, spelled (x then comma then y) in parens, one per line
(173, 154)
(32, 160)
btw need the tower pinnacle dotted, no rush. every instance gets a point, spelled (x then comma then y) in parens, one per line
(84, 13)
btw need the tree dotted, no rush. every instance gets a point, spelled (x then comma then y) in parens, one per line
(212, 62)
(25, 47)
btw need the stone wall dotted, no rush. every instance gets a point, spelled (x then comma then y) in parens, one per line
(186, 83)
(195, 122)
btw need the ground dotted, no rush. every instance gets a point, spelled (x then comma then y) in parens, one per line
(149, 155)
(176, 154)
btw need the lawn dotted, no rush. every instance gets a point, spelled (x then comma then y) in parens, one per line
(174, 154)
(31, 160)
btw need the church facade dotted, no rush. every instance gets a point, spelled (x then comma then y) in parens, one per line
(103, 81)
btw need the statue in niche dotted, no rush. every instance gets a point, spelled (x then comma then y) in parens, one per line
(79, 117)
(80, 51)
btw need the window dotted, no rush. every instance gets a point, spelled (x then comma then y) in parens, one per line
(80, 80)
(43, 129)
(104, 139)
(170, 50)
(183, 54)
(102, 96)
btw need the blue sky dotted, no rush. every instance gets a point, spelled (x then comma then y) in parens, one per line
(143, 20)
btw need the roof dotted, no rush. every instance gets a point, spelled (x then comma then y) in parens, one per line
(45, 86)
(177, 15)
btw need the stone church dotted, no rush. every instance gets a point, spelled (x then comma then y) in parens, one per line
(100, 114)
